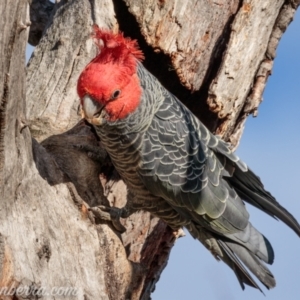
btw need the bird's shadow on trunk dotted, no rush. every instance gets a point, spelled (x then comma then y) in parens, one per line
(74, 156)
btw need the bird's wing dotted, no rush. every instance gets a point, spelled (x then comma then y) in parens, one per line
(179, 165)
(191, 161)
(183, 163)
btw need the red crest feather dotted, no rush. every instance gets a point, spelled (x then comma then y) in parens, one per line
(115, 47)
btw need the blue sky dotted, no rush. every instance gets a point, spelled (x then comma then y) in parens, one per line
(270, 146)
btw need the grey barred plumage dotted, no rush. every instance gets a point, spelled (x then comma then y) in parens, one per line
(180, 172)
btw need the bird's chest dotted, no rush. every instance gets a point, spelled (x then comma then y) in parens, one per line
(125, 153)
(124, 149)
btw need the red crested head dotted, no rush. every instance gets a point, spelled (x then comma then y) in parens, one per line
(110, 80)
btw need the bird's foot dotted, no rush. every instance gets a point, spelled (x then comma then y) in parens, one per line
(112, 214)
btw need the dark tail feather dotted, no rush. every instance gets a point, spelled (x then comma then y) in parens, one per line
(236, 256)
(250, 188)
(254, 264)
(234, 263)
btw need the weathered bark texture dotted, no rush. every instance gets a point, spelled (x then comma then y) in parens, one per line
(222, 51)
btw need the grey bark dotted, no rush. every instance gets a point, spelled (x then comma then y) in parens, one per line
(48, 238)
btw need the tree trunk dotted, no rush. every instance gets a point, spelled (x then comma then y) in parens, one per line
(215, 56)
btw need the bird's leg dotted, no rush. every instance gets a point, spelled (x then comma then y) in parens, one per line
(157, 208)
(114, 214)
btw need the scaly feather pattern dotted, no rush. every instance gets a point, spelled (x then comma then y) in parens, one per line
(177, 169)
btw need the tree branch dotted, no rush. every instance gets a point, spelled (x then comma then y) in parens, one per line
(253, 100)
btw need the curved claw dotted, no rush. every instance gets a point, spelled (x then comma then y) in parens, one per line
(109, 214)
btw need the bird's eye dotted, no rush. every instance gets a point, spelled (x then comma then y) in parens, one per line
(115, 94)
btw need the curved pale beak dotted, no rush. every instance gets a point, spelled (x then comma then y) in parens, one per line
(92, 111)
